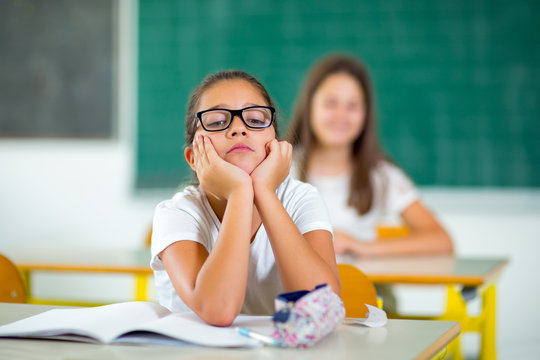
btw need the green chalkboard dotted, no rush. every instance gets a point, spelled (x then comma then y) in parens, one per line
(57, 68)
(457, 82)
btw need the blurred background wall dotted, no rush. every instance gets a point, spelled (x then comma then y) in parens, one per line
(457, 92)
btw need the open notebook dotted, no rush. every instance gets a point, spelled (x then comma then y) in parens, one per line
(135, 322)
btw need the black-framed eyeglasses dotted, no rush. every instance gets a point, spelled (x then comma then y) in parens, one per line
(254, 117)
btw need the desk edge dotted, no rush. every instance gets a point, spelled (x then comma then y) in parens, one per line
(441, 342)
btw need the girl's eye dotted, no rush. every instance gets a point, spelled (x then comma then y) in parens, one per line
(353, 107)
(256, 117)
(215, 120)
(330, 104)
(255, 122)
(216, 124)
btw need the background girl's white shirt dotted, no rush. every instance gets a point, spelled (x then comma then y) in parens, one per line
(393, 193)
(189, 216)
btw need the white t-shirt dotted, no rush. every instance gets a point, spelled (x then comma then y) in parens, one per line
(386, 207)
(189, 216)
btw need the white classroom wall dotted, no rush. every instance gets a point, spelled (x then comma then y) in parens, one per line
(66, 193)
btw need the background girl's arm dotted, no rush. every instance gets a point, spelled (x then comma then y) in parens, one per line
(214, 285)
(303, 261)
(426, 236)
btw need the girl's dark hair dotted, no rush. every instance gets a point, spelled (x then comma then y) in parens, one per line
(209, 81)
(366, 152)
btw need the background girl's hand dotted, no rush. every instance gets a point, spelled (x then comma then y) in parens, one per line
(345, 244)
(216, 176)
(271, 172)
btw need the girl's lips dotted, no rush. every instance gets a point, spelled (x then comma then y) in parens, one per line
(339, 126)
(240, 148)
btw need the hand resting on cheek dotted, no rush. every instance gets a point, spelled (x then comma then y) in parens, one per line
(216, 176)
(271, 172)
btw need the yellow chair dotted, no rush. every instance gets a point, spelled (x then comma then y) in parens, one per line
(12, 288)
(356, 291)
(148, 238)
(384, 232)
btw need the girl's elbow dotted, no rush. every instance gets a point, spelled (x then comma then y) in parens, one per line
(218, 315)
(448, 247)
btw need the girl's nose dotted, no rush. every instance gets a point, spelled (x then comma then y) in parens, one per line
(341, 111)
(237, 128)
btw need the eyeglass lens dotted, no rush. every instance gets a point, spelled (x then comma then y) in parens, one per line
(220, 119)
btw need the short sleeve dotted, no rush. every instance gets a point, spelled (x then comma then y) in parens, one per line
(400, 191)
(177, 220)
(305, 206)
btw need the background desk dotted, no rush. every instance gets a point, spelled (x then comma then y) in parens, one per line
(423, 270)
(130, 262)
(465, 278)
(399, 339)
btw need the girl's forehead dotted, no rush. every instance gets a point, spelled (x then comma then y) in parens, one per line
(342, 84)
(231, 93)
(340, 79)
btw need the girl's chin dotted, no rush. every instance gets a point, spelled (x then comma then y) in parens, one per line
(337, 142)
(245, 166)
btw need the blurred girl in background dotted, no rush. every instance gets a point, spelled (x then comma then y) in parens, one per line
(333, 131)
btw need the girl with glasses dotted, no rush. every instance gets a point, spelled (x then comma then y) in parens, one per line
(247, 231)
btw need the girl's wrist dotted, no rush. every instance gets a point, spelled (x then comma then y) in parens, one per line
(263, 193)
(372, 249)
(242, 193)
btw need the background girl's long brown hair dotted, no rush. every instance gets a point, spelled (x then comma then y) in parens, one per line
(366, 152)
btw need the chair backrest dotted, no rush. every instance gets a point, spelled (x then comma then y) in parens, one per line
(11, 285)
(384, 232)
(356, 291)
(148, 238)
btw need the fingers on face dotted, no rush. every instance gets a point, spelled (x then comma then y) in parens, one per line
(209, 149)
(198, 149)
(268, 147)
(286, 152)
(205, 151)
(286, 148)
(289, 150)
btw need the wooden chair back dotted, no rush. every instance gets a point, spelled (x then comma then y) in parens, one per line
(12, 288)
(356, 291)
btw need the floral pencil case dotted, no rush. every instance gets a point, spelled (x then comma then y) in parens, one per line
(302, 318)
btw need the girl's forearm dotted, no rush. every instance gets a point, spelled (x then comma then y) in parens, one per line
(221, 283)
(299, 265)
(427, 242)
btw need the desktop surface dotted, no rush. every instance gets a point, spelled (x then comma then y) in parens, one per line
(403, 339)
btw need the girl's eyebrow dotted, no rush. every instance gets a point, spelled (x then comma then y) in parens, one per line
(223, 106)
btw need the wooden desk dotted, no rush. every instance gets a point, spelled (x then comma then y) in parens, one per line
(465, 278)
(399, 339)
